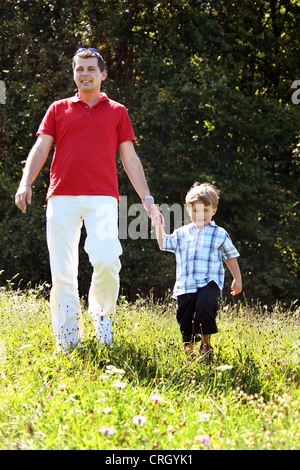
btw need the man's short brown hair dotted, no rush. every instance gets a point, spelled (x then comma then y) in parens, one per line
(86, 54)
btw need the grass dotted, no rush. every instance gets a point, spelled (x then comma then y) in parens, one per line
(142, 392)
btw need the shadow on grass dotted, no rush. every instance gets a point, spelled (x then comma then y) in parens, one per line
(228, 371)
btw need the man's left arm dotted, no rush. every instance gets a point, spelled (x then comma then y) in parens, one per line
(135, 172)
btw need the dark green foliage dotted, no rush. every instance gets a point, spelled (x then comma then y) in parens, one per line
(208, 89)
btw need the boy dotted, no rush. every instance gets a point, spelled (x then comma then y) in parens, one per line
(200, 248)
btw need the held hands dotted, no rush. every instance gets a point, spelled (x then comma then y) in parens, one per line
(158, 222)
(157, 217)
(148, 205)
(153, 212)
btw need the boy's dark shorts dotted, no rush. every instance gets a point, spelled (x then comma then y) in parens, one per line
(197, 312)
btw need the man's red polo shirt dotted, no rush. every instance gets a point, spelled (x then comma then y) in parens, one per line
(86, 143)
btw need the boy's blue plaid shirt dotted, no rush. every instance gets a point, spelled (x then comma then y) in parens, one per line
(199, 256)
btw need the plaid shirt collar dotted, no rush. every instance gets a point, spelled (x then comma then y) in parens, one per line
(194, 226)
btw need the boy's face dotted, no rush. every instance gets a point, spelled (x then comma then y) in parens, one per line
(200, 214)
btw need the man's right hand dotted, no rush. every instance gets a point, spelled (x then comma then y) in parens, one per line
(35, 161)
(22, 196)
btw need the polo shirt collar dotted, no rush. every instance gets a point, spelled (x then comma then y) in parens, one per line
(76, 99)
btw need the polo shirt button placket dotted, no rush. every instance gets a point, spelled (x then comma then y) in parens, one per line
(89, 111)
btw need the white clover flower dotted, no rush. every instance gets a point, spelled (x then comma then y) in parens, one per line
(119, 384)
(224, 367)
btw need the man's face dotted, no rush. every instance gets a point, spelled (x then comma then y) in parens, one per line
(87, 75)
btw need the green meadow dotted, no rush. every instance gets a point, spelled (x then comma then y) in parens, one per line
(143, 392)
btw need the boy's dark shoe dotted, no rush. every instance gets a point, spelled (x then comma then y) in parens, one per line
(189, 348)
(206, 352)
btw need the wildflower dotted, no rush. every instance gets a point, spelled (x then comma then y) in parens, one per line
(156, 397)
(49, 396)
(224, 367)
(119, 384)
(205, 439)
(107, 410)
(139, 419)
(204, 417)
(282, 359)
(107, 430)
(110, 369)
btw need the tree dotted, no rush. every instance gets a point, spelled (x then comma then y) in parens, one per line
(208, 89)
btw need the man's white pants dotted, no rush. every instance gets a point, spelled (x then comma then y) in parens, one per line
(65, 216)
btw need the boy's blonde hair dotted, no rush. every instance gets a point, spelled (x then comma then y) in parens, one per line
(205, 193)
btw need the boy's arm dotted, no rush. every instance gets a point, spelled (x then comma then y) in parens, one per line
(157, 221)
(233, 266)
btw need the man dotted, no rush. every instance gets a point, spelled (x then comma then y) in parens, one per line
(87, 130)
